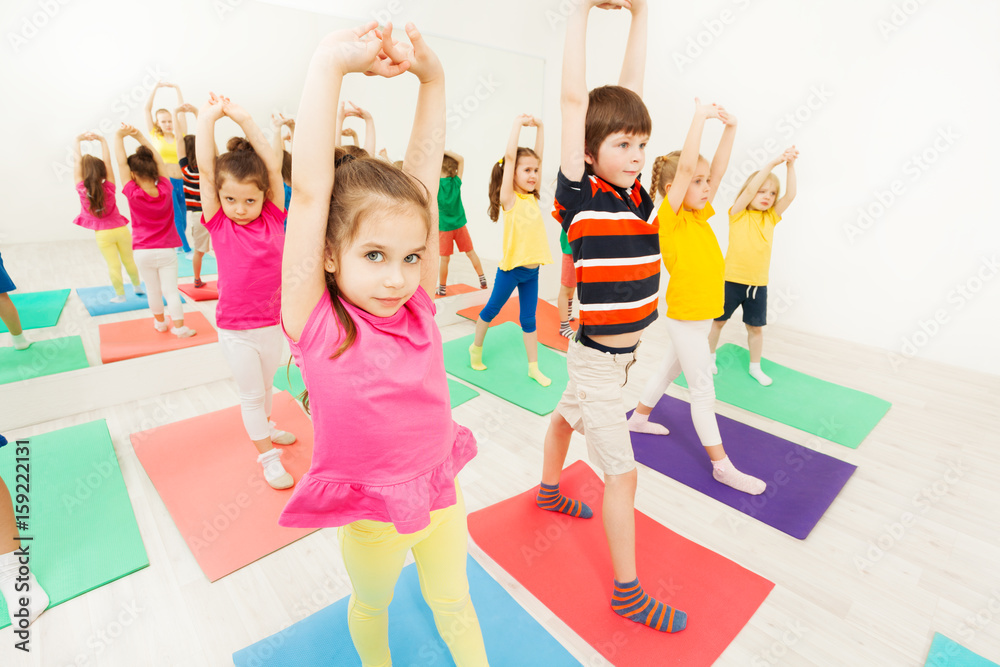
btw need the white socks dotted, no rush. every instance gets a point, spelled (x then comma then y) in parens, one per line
(274, 472)
(724, 471)
(759, 375)
(183, 332)
(715, 369)
(10, 574)
(21, 342)
(279, 437)
(641, 424)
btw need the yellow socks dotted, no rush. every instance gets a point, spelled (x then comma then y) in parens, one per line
(476, 357)
(536, 374)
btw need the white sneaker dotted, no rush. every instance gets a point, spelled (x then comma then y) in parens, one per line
(160, 326)
(274, 472)
(183, 332)
(138, 291)
(280, 437)
(118, 298)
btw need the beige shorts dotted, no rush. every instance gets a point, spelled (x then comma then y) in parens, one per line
(199, 233)
(592, 404)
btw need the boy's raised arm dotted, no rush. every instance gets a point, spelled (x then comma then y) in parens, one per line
(634, 64)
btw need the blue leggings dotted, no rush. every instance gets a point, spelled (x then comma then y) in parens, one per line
(526, 282)
(180, 211)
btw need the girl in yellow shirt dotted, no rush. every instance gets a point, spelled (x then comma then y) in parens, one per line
(514, 188)
(752, 218)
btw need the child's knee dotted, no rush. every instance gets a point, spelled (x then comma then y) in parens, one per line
(755, 331)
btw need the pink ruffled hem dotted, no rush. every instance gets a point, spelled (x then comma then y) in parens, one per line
(317, 503)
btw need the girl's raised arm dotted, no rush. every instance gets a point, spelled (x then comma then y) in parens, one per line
(790, 156)
(303, 279)
(150, 121)
(120, 155)
(78, 156)
(510, 162)
(257, 139)
(168, 170)
(539, 140)
(453, 155)
(106, 158)
(180, 126)
(720, 161)
(750, 191)
(204, 148)
(687, 163)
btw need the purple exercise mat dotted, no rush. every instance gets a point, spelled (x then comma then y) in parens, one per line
(801, 482)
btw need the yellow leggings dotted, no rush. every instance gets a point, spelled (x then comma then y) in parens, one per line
(374, 553)
(116, 246)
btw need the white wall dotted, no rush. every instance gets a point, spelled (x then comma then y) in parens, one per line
(861, 88)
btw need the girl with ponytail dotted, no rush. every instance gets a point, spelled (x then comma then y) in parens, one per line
(150, 202)
(244, 211)
(95, 183)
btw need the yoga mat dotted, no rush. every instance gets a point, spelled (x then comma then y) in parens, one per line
(79, 517)
(546, 317)
(511, 636)
(458, 391)
(38, 310)
(97, 300)
(845, 416)
(210, 292)
(947, 653)
(801, 483)
(457, 288)
(506, 374)
(185, 269)
(565, 563)
(138, 338)
(44, 357)
(206, 472)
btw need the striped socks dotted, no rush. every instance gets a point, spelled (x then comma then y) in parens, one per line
(550, 499)
(630, 601)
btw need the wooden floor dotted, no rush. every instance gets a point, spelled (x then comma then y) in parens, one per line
(827, 608)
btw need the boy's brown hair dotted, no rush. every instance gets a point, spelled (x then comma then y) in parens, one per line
(612, 109)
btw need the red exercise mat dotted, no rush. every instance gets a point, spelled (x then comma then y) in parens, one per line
(205, 470)
(138, 338)
(565, 563)
(546, 319)
(210, 292)
(457, 288)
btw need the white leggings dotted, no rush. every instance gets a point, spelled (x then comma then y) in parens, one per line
(158, 269)
(687, 352)
(253, 355)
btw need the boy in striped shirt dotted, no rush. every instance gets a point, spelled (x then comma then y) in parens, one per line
(608, 218)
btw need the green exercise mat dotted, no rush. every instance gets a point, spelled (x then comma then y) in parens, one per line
(43, 357)
(79, 517)
(38, 309)
(506, 374)
(845, 416)
(290, 379)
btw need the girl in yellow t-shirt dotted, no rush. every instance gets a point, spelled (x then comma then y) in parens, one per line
(692, 256)
(514, 187)
(752, 218)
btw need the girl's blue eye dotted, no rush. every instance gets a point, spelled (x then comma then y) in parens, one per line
(412, 259)
(374, 256)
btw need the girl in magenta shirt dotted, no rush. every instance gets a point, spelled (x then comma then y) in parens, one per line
(154, 235)
(243, 207)
(361, 258)
(95, 183)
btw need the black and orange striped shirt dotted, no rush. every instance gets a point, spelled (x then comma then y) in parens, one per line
(192, 186)
(616, 252)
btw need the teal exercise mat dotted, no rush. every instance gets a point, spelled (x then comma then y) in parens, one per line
(506, 373)
(185, 269)
(845, 416)
(511, 636)
(43, 357)
(947, 653)
(38, 310)
(79, 516)
(290, 379)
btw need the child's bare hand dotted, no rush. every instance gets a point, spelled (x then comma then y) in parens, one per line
(609, 4)
(706, 110)
(354, 50)
(127, 130)
(790, 155)
(727, 118)
(358, 112)
(417, 56)
(213, 107)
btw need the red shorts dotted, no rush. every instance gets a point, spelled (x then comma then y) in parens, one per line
(568, 278)
(461, 238)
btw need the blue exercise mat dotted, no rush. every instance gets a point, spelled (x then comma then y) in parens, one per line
(97, 300)
(185, 269)
(511, 635)
(947, 653)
